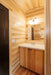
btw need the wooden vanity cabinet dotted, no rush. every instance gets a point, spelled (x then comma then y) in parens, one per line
(32, 59)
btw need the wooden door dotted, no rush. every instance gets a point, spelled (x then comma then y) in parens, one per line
(39, 62)
(48, 37)
(4, 40)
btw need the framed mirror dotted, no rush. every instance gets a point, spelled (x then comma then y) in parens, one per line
(35, 32)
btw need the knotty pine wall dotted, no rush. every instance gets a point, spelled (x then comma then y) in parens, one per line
(16, 34)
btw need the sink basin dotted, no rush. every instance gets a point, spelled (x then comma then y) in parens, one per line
(32, 43)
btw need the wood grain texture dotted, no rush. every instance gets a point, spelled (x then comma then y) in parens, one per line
(23, 5)
(22, 56)
(16, 30)
(33, 12)
(39, 62)
(23, 71)
(36, 41)
(32, 59)
(48, 37)
(50, 33)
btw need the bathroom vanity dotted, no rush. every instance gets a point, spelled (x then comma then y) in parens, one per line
(32, 57)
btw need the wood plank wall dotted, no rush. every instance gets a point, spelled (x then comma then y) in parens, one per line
(16, 34)
(17, 27)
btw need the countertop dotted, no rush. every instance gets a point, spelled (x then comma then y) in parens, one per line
(33, 46)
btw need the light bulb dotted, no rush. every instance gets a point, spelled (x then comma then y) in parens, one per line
(19, 23)
(36, 21)
(31, 22)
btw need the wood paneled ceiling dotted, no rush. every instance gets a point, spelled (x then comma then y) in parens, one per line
(25, 5)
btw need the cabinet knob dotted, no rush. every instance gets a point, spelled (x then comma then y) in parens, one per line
(30, 49)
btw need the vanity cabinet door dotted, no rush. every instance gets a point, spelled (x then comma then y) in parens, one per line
(22, 56)
(31, 55)
(30, 58)
(39, 62)
(27, 58)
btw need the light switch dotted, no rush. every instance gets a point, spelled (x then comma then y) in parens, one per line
(13, 41)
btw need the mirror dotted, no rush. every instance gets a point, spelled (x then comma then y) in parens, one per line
(34, 32)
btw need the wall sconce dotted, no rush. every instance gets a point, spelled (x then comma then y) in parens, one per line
(31, 22)
(34, 21)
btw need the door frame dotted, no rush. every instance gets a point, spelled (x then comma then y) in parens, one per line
(47, 37)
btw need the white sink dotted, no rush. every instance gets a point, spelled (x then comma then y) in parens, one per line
(33, 45)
